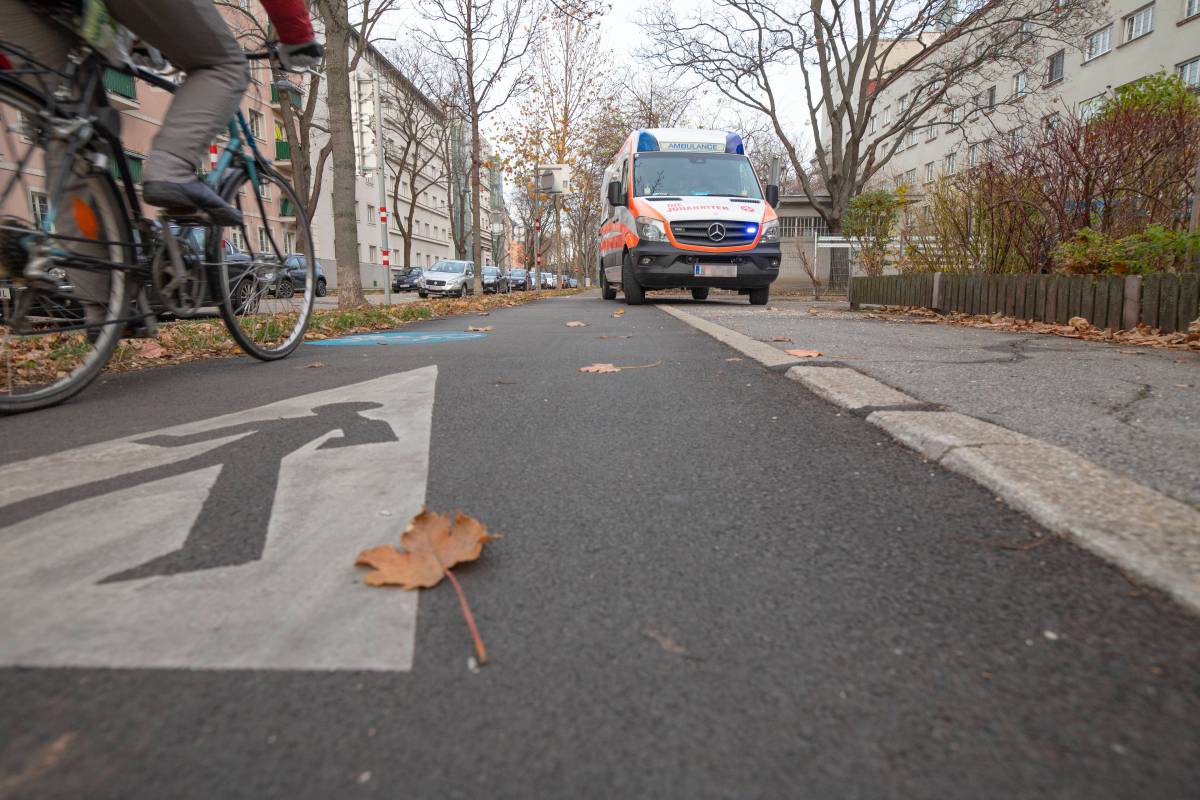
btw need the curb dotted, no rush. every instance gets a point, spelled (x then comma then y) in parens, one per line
(1142, 531)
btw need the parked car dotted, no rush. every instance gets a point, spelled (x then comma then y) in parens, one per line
(292, 277)
(518, 280)
(406, 280)
(494, 280)
(572, 283)
(448, 277)
(548, 281)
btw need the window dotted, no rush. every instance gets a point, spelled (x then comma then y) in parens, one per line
(931, 133)
(912, 138)
(372, 254)
(39, 204)
(1139, 23)
(370, 214)
(1090, 107)
(956, 114)
(910, 178)
(264, 190)
(951, 163)
(1049, 123)
(1019, 82)
(264, 239)
(237, 238)
(1017, 135)
(1191, 8)
(929, 172)
(256, 125)
(887, 116)
(1054, 67)
(1098, 43)
(1189, 72)
(972, 155)
(988, 98)
(872, 124)
(902, 103)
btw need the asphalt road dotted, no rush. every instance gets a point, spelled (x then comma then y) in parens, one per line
(711, 584)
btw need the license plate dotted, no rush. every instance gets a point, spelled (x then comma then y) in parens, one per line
(5, 293)
(715, 271)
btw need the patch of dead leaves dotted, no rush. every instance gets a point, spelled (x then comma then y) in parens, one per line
(433, 543)
(576, 324)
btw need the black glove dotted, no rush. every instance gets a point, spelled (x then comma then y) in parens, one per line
(305, 55)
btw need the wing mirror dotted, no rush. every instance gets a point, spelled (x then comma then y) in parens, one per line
(773, 195)
(614, 193)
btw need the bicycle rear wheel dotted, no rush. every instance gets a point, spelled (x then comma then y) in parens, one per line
(267, 279)
(59, 330)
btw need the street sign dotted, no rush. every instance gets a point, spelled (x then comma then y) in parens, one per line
(227, 543)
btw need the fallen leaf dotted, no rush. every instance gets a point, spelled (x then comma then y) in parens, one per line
(153, 350)
(432, 545)
(484, 329)
(781, 338)
(735, 358)
(620, 312)
(666, 642)
(1130, 352)
(803, 353)
(576, 324)
(314, 365)
(621, 336)
(774, 308)
(600, 368)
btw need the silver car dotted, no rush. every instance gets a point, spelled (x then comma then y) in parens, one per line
(448, 278)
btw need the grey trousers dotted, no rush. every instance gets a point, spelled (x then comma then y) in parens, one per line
(194, 37)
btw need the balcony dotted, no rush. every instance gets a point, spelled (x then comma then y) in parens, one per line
(293, 93)
(121, 88)
(287, 211)
(283, 154)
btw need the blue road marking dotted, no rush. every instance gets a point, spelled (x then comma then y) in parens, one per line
(398, 337)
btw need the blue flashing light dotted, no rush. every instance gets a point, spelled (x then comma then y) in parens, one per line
(646, 142)
(751, 229)
(733, 144)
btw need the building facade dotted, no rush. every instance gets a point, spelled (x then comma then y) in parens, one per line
(1133, 39)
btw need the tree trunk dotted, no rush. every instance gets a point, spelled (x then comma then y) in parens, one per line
(345, 226)
(476, 232)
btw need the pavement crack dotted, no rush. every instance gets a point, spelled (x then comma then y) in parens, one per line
(1123, 411)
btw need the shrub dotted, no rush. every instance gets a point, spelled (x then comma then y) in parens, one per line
(1089, 252)
(1156, 249)
(870, 221)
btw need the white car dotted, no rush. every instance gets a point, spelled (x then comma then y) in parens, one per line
(454, 278)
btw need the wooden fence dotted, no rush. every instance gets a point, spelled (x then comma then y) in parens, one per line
(1167, 301)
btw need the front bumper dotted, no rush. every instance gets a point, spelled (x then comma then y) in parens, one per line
(455, 289)
(661, 265)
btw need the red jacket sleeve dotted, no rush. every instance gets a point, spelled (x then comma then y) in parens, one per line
(290, 18)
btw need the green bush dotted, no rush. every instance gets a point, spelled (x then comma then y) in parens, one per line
(1155, 249)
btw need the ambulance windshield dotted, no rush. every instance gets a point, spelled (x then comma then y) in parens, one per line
(694, 175)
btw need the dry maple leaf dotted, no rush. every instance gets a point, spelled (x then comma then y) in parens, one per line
(314, 365)
(576, 324)
(803, 353)
(484, 329)
(781, 338)
(600, 368)
(620, 312)
(432, 545)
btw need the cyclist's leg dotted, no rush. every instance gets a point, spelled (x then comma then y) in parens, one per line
(194, 37)
(49, 45)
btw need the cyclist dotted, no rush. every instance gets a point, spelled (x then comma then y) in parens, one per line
(193, 36)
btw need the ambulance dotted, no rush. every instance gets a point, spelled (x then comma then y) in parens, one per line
(684, 210)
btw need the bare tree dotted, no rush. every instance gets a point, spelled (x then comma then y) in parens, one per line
(480, 43)
(648, 101)
(841, 55)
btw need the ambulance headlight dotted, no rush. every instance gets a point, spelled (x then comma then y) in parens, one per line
(770, 231)
(651, 230)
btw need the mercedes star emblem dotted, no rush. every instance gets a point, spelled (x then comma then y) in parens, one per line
(716, 231)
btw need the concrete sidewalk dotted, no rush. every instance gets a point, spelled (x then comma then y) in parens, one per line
(1133, 410)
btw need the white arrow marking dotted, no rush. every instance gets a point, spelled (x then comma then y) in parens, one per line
(301, 606)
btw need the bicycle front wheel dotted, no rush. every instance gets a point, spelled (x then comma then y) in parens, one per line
(63, 255)
(266, 275)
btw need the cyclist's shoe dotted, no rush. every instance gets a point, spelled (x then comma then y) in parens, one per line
(187, 198)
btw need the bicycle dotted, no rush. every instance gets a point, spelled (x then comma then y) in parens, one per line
(67, 300)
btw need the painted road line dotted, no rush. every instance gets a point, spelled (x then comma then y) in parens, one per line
(1152, 536)
(227, 543)
(761, 352)
(397, 337)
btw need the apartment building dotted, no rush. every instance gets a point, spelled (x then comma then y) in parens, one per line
(377, 84)
(1133, 39)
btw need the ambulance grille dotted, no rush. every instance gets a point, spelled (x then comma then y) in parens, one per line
(701, 232)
